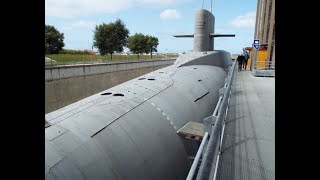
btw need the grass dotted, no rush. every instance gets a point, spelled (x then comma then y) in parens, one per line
(84, 58)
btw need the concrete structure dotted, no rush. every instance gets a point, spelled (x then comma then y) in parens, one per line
(261, 67)
(67, 84)
(63, 72)
(265, 30)
(261, 57)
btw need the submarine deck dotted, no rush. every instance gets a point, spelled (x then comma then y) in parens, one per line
(248, 147)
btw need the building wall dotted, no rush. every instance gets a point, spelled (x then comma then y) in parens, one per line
(265, 29)
(261, 57)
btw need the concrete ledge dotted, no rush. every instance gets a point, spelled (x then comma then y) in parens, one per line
(62, 72)
(66, 90)
(264, 73)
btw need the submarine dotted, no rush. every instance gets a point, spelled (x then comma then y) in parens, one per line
(130, 131)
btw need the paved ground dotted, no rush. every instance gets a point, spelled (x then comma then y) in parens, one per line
(249, 137)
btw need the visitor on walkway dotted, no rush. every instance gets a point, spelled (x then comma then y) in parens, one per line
(240, 60)
(246, 57)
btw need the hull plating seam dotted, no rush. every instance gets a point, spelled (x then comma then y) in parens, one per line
(145, 100)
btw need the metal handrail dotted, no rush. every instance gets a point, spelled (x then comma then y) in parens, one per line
(200, 150)
(197, 158)
(212, 150)
(266, 64)
(222, 110)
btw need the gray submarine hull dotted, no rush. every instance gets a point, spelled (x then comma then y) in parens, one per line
(130, 131)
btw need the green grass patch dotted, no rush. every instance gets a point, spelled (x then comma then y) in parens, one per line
(86, 58)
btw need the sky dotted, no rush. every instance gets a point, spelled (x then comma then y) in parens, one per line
(77, 19)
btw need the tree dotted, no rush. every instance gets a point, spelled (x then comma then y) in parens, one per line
(53, 40)
(152, 44)
(110, 37)
(138, 43)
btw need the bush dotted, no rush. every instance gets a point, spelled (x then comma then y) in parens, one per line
(70, 51)
(90, 52)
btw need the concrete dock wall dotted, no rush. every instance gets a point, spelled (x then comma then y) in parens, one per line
(67, 84)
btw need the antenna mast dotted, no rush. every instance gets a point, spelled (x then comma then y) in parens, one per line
(211, 7)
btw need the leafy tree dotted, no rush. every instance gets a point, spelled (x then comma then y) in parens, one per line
(53, 40)
(138, 43)
(152, 44)
(111, 37)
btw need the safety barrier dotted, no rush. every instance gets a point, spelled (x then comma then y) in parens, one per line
(214, 125)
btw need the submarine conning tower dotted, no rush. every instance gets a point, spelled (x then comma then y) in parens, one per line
(203, 27)
(203, 52)
(204, 31)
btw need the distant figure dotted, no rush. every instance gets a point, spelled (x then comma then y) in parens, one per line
(246, 57)
(240, 60)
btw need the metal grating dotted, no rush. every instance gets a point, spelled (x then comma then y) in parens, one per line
(249, 142)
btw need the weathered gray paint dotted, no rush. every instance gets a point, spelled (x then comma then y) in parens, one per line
(134, 136)
(203, 37)
(203, 26)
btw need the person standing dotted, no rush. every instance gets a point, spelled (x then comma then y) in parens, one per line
(240, 60)
(246, 57)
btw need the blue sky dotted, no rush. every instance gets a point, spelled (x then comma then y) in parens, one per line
(159, 18)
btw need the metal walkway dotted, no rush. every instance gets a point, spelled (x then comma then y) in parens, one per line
(248, 148)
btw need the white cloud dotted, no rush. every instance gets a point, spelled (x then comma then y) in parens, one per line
(80, 24)
(170, 14)
(246, 21)
(76, 8)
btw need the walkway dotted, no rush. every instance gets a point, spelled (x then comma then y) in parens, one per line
(249, 137)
